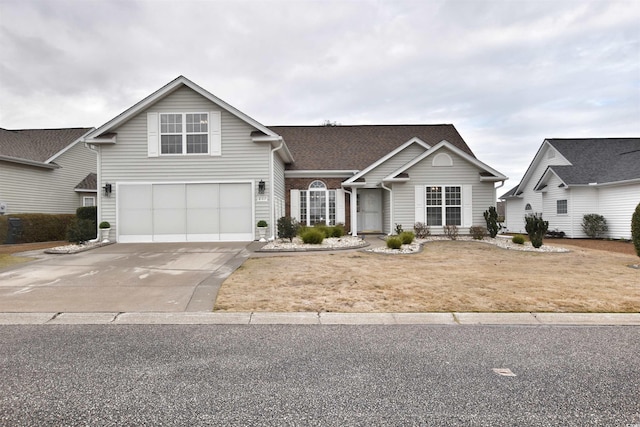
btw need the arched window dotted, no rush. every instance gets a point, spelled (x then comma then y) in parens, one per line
(442, 159)
(317, 204)
(528, 207)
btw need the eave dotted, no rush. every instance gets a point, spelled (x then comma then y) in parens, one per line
(319, 173)
(29, 162)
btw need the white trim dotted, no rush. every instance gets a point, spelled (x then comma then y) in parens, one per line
(78, 190)
(165, 91)
(544, 178)
(28, 162)
(84, 198)
(387, 157)
(457, 151)
(319, 173)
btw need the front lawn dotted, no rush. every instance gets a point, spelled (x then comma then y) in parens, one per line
(447, 276)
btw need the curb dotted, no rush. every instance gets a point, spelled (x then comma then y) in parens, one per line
(323, 318)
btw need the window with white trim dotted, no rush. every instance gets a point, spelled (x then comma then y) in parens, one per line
(184, 133)
(561, 207)
(318, 204)
(443, 205)
(88, 201)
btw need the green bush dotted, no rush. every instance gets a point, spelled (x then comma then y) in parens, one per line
(104, 224)
(477, 232)
(87, 212)
(407, 237)
(313, 236)
(536, 229)
(594, 225)
(81, 230)
(518, 239)
(287, 228)
(337, 230)
(394, 242)
(635, 229)
(262, 223)
(491, 218)
(38, 227)
(399, 229)
(422, 230)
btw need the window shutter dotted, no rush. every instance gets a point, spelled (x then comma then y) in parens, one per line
(294, 205)
(340, 213)
(467, 205)
(419, 202)
(215, 133)
(153, 139)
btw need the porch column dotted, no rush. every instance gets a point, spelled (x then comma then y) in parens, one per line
(354, 211)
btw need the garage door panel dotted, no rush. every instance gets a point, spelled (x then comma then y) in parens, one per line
(203, 221)
(135, 214)
(203, 196)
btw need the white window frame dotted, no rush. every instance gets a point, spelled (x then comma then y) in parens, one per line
(85, 198)
(329, 197)
(184, 133)
(443, 205)
(566, 207)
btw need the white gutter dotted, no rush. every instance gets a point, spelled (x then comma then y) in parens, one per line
(390, 206)
(98, 195)
(272, 190)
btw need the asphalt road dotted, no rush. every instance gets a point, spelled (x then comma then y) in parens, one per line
(319, 375)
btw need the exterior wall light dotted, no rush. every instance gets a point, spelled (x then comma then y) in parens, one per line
(261, 187)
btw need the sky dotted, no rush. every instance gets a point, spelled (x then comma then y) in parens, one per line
(507, 74)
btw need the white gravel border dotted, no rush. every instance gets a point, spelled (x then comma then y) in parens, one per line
(502, 242)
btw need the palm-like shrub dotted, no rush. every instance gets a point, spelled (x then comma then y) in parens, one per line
(536, 229)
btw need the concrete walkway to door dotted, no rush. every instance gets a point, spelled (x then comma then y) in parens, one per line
(124, 277)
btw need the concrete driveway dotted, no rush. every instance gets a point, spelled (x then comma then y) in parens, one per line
(157, 277)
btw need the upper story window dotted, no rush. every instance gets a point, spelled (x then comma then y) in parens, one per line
(184, 133)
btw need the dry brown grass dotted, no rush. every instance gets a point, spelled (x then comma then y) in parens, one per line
(446, 277)
(7, 259)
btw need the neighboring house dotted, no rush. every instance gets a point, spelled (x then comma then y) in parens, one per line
(569, 178)
(183, 165)
(41, 170)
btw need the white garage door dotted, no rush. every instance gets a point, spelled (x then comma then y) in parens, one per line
(184, 212)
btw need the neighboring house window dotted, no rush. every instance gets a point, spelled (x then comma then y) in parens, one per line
(88, 201)
(317, 204)
(527, 207)
(445, 210)
(184, 133)
(561, 207)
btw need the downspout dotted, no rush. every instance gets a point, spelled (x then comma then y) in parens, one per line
(390, 207)
(351, 209)
(98, 194)
(272, 191)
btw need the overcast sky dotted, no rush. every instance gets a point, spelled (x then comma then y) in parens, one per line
(507, 74)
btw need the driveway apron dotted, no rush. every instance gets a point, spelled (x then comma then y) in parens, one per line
(146, 277)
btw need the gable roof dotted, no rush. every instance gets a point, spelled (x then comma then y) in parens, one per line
(89, 183)
(38, 147)
(598, 160)
(357, 147)
(103, 133)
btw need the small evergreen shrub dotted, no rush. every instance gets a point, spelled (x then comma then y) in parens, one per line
(394, 242)
(536, 229)
(288, 228)
(422, 230)
(104, 224)
(399, 229)
(635, 229)
(262, 223)
(594, 225)
(326, 230)
(451, 231)
(518, 239)
(81, 230)
(406, 237)
(337, 230)
(491, 218)
(478, 232)
(313, 236)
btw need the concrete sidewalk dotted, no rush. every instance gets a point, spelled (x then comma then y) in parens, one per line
(307, 318)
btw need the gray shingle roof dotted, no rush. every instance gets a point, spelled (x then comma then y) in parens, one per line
(90, 182)
(599, 160)
(37, 145)
(356, 147)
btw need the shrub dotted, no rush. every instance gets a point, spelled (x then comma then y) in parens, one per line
(104, 224)
(38, 227)
(518, 239)
(594, 225)
(312, 236)
(407, 237)
(422, 230)
(288, 228)
(394, 242)
(477, 232)
(491, 218)
(399, 229)
(337, 230)
(262, 223)
(81, 230)
(451, 231)
(635, 229)
(536, 229)
(87, 212)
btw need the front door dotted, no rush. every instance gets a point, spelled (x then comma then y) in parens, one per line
(370, 211)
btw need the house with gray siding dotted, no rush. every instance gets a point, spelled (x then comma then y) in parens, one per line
(569, 178)
(45, 171)
(183, 165)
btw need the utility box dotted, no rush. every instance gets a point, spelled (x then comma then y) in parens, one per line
(15, 231)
